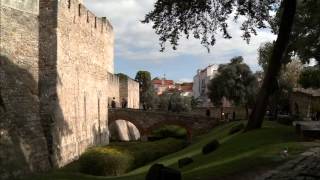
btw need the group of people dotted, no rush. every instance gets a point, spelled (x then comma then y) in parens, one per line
(124, 103)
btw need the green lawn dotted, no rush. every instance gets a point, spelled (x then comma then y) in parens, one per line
(240, 152)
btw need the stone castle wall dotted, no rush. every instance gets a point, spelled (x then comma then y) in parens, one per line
(55, 56)
(133, 94)
(84, 56)
(129, 90)
(22, 5)
(113, 89)
(22, 144)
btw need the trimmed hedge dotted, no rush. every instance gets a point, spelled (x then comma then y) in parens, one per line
(169, 131)
(160, 172)
(119, 158)
(184, 162)
(210, 147)
(105, 161)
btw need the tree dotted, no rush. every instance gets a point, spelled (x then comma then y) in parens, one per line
(310, 77)
(150, 98)
(122, 76)
(147, 92)
(236, 82)
(290, 71)
(174, 102)
(204, 18)
(288, 79)
(304, 39)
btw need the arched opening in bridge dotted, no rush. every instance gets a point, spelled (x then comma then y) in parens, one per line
(122, 130)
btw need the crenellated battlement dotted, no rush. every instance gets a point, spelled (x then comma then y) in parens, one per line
(82, 15)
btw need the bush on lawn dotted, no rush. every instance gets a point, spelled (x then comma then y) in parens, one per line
(105, 161)
(160, 172)
(210, 147)
(236, 128)
(119, 158)
(184, 162)
(171, 131)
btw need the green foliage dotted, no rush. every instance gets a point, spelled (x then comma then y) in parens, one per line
(241, 152)
(119, 158)
(310, 77)
(287, 80)
(105, 161)
(289, 73)
(204, 19)
(235, 82)
(179, 103)
(147, 93)
(210, 147)
(171, 131)
(184, 162)
(265, 53)
(122, 76)
(144, 79)
(174, 102)
(150, 98)
(304, 40)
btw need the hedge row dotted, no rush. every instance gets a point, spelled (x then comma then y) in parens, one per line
(119, 158)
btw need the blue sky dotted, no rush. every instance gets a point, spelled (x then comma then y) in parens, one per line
(137, 46)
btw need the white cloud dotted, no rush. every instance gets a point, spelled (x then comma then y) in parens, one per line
(138, 42)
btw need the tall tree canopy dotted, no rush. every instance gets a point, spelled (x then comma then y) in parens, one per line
(290, 71)
(305, 37)
(144, 79)
(236, 82)
(147, 92)
(310, 77)
(205, 18)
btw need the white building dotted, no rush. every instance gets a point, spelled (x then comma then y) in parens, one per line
(201, 81)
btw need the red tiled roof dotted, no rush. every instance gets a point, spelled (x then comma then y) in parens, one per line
(165, 82)
(186, 87)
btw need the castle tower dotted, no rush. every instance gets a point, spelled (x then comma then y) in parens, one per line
(76, 53)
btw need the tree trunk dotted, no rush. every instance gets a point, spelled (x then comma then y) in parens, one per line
(270, 81)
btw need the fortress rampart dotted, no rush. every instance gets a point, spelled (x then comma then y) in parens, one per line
(55, 57)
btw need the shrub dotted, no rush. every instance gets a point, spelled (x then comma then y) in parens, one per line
(119, 158)
(210, 147)
(184, 161)
(160, 172)
(171, 131)
(236, 128)
(105, 161)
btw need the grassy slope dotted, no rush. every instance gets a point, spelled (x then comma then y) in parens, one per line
(238, 153)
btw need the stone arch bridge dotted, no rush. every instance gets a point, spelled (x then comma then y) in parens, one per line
(146, 121)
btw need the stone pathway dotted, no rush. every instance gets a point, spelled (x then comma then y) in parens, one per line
(305, 167)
